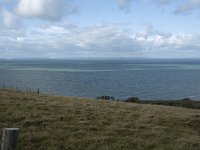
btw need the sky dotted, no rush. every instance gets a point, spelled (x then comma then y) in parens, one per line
(99, 28)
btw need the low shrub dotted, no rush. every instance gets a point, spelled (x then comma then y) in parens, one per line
(133, 99)
(106, 97)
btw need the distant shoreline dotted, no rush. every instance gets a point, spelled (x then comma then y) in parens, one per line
(104, 59)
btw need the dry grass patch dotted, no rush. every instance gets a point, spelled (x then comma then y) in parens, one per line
(56, 123)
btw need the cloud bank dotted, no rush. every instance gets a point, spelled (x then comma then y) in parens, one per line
(102, 41)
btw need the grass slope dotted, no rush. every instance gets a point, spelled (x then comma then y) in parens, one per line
(57, 123)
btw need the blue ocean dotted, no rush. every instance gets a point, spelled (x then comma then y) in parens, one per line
(148, 79)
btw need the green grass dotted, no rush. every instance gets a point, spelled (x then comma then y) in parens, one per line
(49, 122)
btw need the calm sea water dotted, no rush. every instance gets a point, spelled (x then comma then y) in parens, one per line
(147, 79)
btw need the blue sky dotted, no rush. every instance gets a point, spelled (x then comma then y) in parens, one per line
(99, 28)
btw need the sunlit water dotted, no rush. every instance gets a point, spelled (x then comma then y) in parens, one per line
(147, 79)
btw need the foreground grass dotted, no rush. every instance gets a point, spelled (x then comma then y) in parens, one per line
(58, 123)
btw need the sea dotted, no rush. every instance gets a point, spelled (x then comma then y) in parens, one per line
(148, 79)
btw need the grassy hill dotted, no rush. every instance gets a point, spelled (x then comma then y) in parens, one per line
(49, 122)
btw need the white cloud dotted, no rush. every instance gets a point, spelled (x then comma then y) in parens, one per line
(124, 4)
(9, 20)
(5, 1)
(20, 39)
(52, 30)
(187, 6)
(51, 10)
(162, 1)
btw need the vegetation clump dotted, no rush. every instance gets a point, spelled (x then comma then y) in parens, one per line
(133, 99)
(186, 102)
(106, 97)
